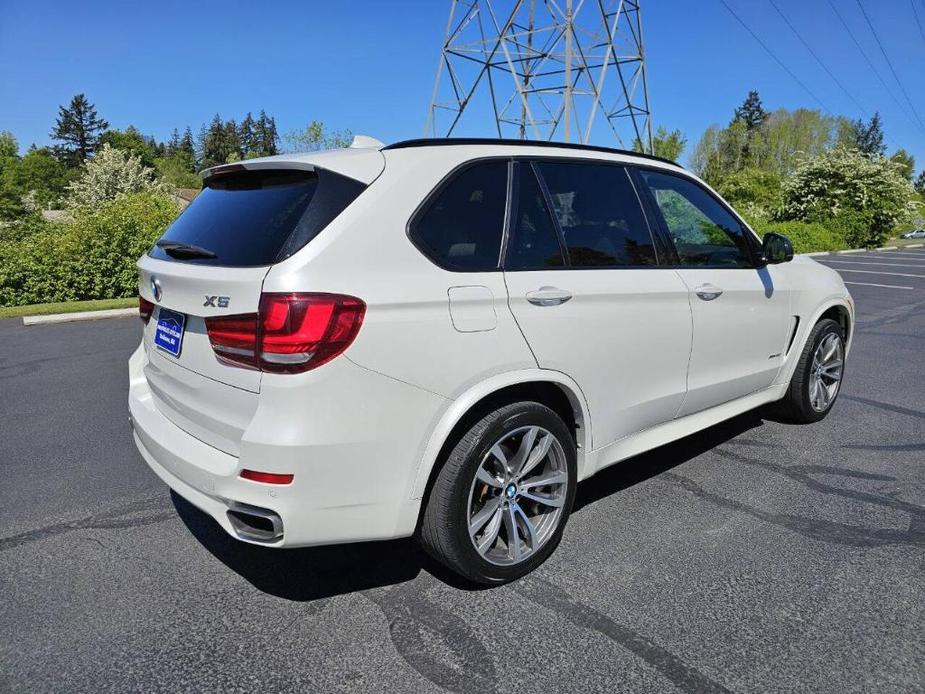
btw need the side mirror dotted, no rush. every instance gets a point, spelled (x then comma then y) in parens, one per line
(776, 248)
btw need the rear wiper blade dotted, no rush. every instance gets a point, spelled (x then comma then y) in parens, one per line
(184, 250)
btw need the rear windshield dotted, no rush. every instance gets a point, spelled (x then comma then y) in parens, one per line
(256, 217)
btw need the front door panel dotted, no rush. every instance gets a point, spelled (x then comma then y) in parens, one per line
(741, 321)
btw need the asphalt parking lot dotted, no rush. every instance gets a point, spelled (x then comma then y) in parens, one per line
(756, 556)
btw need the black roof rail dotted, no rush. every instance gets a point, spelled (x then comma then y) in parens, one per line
(438, 141)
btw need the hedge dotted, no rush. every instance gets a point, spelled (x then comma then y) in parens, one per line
(92, 256)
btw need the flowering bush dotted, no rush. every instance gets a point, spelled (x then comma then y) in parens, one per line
(869, 193)
(109, 174)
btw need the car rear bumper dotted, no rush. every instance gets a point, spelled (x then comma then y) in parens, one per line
(353, 459)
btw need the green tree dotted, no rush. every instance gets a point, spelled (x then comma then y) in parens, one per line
(79, 128)
(131, 141)
(920, 183)
(753, 192)
(905, 162)
(32, 182)
(266, 139)
(212, 144)
(774, 146)
(232, 142)
(248, 137)
(9, 147)
(173, 144)
(314, 136)
(867, 137)
(668, 145)
(751, 112)
(188, 146)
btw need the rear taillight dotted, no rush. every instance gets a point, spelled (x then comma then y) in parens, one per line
(291, 333)
(145, 308)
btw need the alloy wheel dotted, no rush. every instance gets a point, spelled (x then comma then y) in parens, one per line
(517, 495)
(826, 372)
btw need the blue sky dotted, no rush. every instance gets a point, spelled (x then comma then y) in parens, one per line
(369, 66)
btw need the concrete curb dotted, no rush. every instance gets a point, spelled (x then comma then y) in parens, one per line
(816, 253)
(854, 250)
(914, 245)
(79, 316)
(886, 248)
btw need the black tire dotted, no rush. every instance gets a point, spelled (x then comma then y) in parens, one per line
(795, 406)
(444, 530)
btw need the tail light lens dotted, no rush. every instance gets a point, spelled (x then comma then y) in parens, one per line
(145, 309)
(291, 333)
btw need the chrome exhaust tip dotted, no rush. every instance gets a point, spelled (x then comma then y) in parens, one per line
(254, 523)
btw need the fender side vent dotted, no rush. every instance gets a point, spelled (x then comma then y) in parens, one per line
(793, 334)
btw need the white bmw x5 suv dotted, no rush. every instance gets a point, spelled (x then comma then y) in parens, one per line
(442, 338)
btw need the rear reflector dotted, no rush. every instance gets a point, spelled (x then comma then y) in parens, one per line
(145, 308)
(291, 333)
(266, 477)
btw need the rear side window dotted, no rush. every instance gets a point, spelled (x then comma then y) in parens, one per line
(462, 225)
(704, 232)
(534, 242)
(256, 218)
(599, 214)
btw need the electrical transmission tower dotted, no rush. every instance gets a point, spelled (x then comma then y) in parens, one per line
(565, 70)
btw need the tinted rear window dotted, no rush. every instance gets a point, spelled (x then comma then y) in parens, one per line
(462, 225)
(260, 217)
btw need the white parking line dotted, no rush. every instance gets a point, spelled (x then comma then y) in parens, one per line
(885, 286)
(897, 254)
(878, 272)
(870, 262)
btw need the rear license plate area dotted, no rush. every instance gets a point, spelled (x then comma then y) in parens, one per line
(168, 333)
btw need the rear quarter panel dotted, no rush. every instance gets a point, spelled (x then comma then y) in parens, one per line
(408, 333)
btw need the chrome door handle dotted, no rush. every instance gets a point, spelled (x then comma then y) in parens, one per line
(548, 296)
(708, 292)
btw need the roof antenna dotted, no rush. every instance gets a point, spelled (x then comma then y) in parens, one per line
(366, 142)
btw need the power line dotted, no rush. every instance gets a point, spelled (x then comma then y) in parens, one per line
(872, 67)
(918, 21)
(777, 60)
(890, 64)
(818, 59)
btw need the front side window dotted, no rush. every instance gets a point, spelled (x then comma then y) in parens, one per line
(600, 216)
(462, 225)
(704, 232)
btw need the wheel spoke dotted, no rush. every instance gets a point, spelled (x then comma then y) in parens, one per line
(529, 530)
(553, 501)
(536, 456)
(498, 452)
(478, 521)
(492, 529)
(554, 477)
(831, 344)
(489, 479)
(513, 538)
(526, 445)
